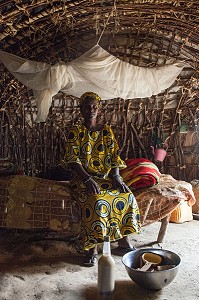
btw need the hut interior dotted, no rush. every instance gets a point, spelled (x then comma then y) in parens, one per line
(143, 33)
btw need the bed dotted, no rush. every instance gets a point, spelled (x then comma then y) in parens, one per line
(32, 203)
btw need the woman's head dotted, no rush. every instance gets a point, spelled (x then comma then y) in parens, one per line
(89, 105)
(87, 95)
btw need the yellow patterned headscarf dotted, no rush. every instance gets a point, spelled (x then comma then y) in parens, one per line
(90, 95)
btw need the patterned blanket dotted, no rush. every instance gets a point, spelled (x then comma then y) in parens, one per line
(140, 173)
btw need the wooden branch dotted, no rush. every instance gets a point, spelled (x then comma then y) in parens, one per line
(139, 141)
(163, 228)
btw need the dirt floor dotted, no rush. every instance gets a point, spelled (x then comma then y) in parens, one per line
(48, 270)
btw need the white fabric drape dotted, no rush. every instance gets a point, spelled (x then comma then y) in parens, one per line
(96, 70)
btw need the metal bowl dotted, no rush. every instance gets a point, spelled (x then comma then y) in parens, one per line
(155, 280)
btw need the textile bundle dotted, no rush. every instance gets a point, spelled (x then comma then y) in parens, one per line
(140, 173)
(160, 200)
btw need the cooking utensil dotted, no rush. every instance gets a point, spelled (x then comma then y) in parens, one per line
(150, 259)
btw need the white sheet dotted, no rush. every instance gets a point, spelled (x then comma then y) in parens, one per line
(96, 70)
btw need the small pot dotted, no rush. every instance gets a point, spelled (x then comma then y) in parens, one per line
(159, 153)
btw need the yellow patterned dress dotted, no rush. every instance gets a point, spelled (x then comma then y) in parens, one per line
(110, 212)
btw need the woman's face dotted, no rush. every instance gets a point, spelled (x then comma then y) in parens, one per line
(90, 108)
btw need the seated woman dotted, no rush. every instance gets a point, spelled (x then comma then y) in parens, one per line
(107, 205)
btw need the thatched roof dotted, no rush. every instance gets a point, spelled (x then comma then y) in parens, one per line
(54, 30)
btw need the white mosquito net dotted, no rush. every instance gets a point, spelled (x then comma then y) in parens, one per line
(96, 70)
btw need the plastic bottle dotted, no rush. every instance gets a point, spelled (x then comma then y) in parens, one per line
(106, 270)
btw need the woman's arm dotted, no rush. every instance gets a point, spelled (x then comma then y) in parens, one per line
(118, 181)
(81, 172)
(117, 163)
(88, 181)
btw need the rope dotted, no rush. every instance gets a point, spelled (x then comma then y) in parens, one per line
(112, 10)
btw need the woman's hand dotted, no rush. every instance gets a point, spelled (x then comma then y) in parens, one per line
(119, 183)
(92, 186)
